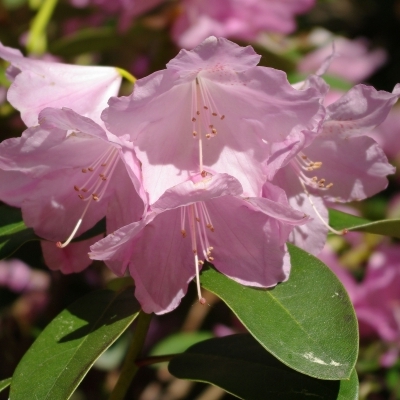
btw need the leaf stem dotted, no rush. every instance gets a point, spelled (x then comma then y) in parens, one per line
(130, 367)
(154, 360)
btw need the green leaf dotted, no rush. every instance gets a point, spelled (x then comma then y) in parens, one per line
(4, 384)
(13, 232)
(179, 342)
(239, 365)
(307, 322)
(67, 348)
(340, 220)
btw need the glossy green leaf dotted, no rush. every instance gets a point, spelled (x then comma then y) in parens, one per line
(340, 220)
(67, 348)
(4, 384)
(307, 322)
(239, 365)
(13, 232)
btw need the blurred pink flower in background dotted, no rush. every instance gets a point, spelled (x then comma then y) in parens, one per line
(376, 298)
(20, 277)
(239, 19)
(387, 134)
(126, 9)
(353, 61)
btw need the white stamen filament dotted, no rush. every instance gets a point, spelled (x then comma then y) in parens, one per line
(343, 232)
(109, 161)
(203, 110)
(78, 224)
(198, 219)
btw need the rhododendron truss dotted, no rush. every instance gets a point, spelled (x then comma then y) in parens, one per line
(69, 173)
(202, 219)
(339, 164)
(213, 110)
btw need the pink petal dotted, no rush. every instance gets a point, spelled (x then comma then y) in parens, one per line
(190, 192)
(70, 259)
(246, 244)
(116, 248)
(361, 108)
(356, 166)
(54, 208)
(47, 147)
(214, 51)
(14, 187)
(311, 236)
(162, 264)
(42, 84)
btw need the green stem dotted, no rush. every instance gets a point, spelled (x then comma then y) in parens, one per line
(130, 367)
(37, 42)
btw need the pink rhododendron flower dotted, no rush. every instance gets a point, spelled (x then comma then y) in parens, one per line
(353, 61)
(340, 164)
(202, 220)
(69, 175)
(213, 110)
(240, 19)
(38, 84)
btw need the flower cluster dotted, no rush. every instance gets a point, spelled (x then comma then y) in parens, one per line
(212, 159)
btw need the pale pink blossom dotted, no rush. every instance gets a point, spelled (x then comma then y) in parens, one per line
(240, 19)
(69, 173)
(213, 110)
(200, 220)
(339, 164)
(37, 84)
(376, 298)
(353, 60)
